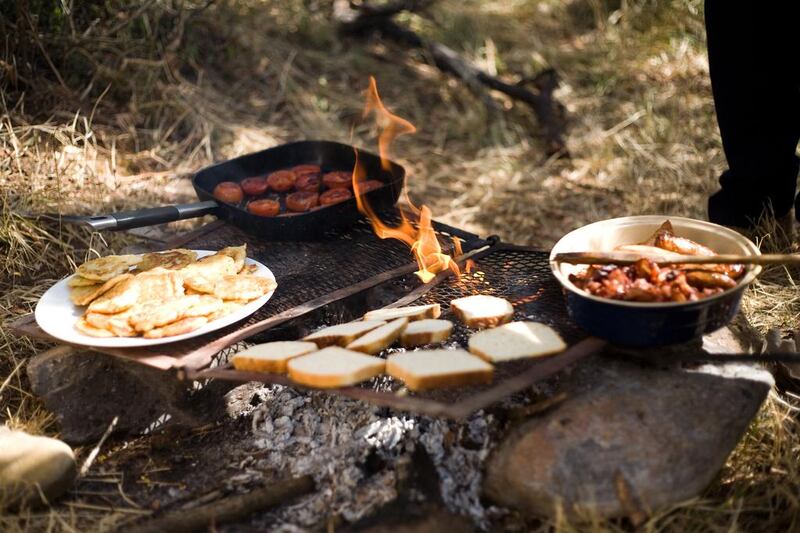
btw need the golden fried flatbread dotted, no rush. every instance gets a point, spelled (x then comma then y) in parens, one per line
(118, 324)
(171, 259)
(249, 269)
(184, 325)
(86, 295)
(202, 275)
(159, 285)
(105, 268)
(243, 288)
(80, 281)
(227, 308)
(156, 314)
(237, 253)
(205, 305)
(120, 298)
(87, 329)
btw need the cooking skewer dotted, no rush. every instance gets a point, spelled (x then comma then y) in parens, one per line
(629, 258)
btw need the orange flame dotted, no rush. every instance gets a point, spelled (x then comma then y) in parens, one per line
(422, 238)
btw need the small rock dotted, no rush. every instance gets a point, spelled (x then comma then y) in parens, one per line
(33, 470)
(629, 439)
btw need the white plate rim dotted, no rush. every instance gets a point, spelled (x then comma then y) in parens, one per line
(57, 297)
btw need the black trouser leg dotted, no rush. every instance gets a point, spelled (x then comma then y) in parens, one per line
(754, 61)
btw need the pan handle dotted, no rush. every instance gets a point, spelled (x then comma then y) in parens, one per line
(138, 218)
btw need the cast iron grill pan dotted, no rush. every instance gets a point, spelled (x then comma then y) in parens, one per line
(312, 225)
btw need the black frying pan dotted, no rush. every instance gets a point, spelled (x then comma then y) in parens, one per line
(300, 226)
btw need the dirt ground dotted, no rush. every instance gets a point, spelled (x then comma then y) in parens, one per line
(111, 105)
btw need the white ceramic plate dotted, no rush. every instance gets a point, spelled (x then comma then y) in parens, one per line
(57, 315)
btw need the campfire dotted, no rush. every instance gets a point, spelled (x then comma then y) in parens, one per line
(415, 229)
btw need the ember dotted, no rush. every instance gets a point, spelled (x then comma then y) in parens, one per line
(419, 235)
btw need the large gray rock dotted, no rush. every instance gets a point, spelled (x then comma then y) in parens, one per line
(630, 437)
(33, 470)
(87, 390)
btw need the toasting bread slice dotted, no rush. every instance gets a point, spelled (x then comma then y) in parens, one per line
(342, 334)
(425, 332)
(482, 311)
(271, 356)
(379, 338)
(515, 341)
(415, 312)
(333, 367)
(432, 369)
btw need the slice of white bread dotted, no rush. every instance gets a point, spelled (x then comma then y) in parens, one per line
(482, 311)
(425, 332)
(271, 356)
(342, 334)
(433, 369)
(415, 312)
(333, 367)
(516, 341)
(379, 338)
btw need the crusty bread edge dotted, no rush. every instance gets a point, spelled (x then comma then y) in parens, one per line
(489, 359)
(340, 339)
(317, 381)
(460, 379)
(483, 322)
(253, 364)
(380, 344)
(434, 311)
(409, 340)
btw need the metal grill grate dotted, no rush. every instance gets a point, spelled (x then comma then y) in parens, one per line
(518, 274)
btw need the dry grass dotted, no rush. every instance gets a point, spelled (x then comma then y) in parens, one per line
(115, 113)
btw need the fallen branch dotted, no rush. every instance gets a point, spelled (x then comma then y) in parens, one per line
(362, 20)
(226, 510)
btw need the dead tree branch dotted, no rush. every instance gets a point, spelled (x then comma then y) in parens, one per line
(228, 509)
(361, 20)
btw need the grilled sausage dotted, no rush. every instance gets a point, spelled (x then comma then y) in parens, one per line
(265, 207)
(338, 180)
(300, 170)
(709, 280)
(300, 202)
(334, 196)
(307, 182)
(228, 192)
(281, 180)
(254, 186)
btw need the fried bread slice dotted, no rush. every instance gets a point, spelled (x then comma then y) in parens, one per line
(242, 288)
(433, 369)
(179, 327)
(171, 260)
(516, 340)
(379, 338)
(333, 367)
(108, 267)
(84, 295)
(237, 253)
(271, 356)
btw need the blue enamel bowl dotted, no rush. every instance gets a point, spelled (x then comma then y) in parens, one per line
(642, 324)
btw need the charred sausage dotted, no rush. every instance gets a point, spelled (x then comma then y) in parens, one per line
(254, 186)
(265, 207)
(300, 202)
(334, 196)
(307, 182)
(306, 169)
(281, 180)
(228, 192)
(338, 180)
